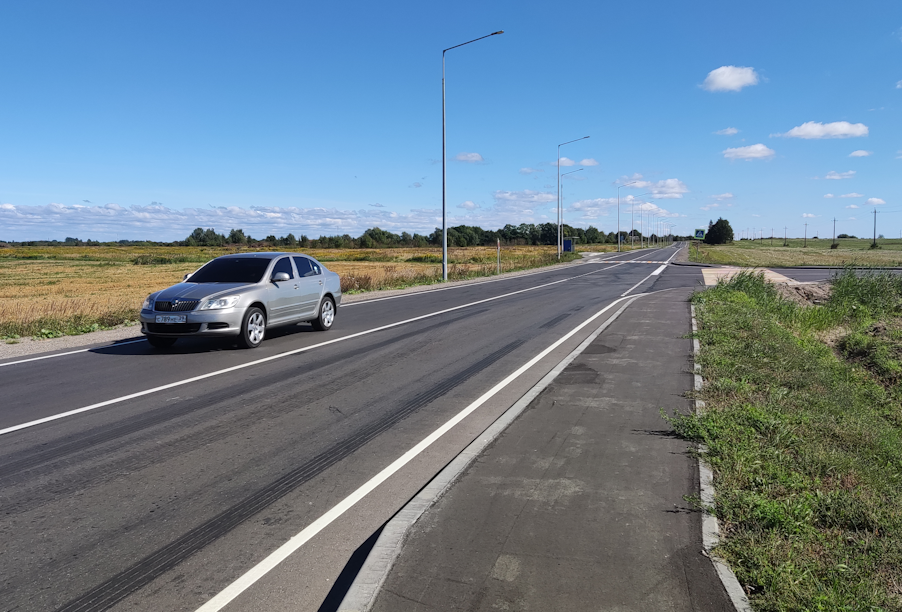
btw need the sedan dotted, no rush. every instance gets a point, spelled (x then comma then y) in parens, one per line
(243, 295)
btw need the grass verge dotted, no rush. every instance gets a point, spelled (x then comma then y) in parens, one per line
(805, 439)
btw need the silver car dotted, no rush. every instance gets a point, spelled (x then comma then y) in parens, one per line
(243, 295)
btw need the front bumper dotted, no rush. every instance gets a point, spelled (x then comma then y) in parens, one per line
(225, 322)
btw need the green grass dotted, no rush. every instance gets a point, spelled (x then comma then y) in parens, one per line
(796, 253)
(805, 441)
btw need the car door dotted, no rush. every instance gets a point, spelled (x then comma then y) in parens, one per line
(310, 283)
(283, 296)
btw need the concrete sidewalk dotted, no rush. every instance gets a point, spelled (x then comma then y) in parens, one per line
(578, 505)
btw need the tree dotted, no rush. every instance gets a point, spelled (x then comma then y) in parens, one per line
(720, 232)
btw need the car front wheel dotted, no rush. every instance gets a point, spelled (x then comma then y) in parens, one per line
(326, 315)
(253, 328)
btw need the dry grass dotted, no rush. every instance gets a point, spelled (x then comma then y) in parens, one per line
(817, 253)
(51, 291)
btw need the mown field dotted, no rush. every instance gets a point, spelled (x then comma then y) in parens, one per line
(761, 253)
(52, 291)
(803, 428)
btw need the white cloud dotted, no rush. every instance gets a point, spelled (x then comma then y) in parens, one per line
(755, 151)
(666, 189)
(588, 162)
(874, 201)
(521, 201)
(378, 205)
(468, 205)
(727, 131)
(530, 170)
(710, 206)
(828, 195)
(808, 216)
(565, 161)
(852, 195)
(417, 185)
(470, 158)
(723, 196)
(851, 218)
(833, 175)
(852, 206)
(837, 129)
(730, 78)
(861, 153)
(899, 85)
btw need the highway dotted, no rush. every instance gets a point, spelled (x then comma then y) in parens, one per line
(137, 479)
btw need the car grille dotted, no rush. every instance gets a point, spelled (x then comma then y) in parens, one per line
(172, 328)
(175, 305)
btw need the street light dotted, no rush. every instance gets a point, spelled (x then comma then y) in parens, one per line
(632, 221)
(559, 216)
(619, 187)
(444, 163)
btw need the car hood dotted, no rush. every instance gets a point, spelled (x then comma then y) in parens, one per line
(199, 291)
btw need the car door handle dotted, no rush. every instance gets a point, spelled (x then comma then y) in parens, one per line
(295, 286)
(321, 282)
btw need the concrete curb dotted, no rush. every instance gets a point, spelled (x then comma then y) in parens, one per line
(710, 525)
(363, 591)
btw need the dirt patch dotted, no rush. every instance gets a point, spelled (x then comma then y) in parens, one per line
(813, 294)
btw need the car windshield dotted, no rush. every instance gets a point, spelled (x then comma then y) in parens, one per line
(231, 270)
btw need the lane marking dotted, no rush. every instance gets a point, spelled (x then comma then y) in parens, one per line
(247, 580)
(659, 270)
(93, 348)
(186, 381)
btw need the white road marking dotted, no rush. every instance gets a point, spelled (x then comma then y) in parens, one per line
(659, 270)
(274, 357)
(283, 552)
(93, 348)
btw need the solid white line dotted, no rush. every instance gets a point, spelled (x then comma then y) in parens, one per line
(274, 357)
(659, 270)
(283, 552)
(93, 348)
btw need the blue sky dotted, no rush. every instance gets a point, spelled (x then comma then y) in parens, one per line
(145, 120)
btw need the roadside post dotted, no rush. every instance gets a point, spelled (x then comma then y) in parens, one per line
(499, 256)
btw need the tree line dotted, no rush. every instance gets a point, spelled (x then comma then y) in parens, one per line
(373, 238)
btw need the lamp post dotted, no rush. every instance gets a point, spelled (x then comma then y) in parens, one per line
(619, 187)
(632, 222)
(444, 162)
(559, 216)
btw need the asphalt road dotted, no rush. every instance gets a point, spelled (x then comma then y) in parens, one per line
(179, 471)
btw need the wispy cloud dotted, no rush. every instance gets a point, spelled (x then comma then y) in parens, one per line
(528, 171)
(468, 205)
(874, 202)
(861, 153)
(755, 151)
(525, 201)
(588, 162)
(727, 131)
(377, 205)
(852, 195)
(723, 196)
(417, 185)
(710, 206)
(808, 216)
(666, 189)
(852, 206)
(470, 158)
(730, 78)
(899, 85)
(837, 129)
(828, 195)
(833, 175)
(565, 161)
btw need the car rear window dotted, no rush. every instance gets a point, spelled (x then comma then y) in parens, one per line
(306, 267)
(232, 270)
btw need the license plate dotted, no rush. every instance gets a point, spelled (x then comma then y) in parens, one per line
(172, 318)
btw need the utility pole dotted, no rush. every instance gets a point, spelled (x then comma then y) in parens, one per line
(805, 244)
(874, 244)
(771, 237)
(785, 242)
(834, 230)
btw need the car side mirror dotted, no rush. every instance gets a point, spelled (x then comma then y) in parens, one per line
(187, 276)
(280, 277)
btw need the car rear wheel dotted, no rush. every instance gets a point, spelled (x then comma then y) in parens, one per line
(161, 341)
(253, 328)
(326, 315)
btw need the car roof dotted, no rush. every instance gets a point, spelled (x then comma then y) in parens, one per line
(261, 255)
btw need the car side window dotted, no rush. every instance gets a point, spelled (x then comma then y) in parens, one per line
(283, 265)
(303, 266)
(316, 268)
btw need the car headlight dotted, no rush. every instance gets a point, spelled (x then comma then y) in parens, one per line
(148, 303)
(219, 303)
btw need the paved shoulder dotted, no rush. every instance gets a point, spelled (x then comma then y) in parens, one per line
(579, 504)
